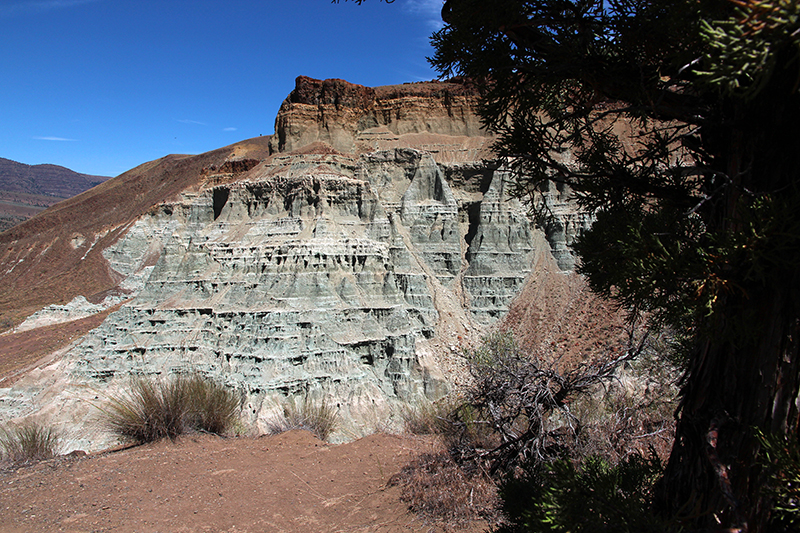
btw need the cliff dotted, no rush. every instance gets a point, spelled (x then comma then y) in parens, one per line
(349, 258)
(353, 118)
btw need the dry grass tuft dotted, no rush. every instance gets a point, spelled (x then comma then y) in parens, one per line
(29, 442)
(157, 409)
(427, 418)
(319, 418)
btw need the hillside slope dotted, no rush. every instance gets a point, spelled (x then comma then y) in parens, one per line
(290, 483)
(25, 190)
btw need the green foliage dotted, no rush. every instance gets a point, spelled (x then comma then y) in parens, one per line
(319, 418)
(660, 118)
(780, 458)
(744, 48)
(594, 497)
(154, 409)
(676, 229)
(29, 441)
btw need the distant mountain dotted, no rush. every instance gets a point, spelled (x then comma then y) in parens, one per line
(27, 189)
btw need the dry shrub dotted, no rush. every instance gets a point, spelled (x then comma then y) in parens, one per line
(632, 415)
(28, 442)
(523, 412)
(317, 417)
(157, 409)
(438, 489)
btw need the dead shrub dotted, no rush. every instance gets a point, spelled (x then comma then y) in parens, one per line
(438, 489)
(632, 415)
(522, 411)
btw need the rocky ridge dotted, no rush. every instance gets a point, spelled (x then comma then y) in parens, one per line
(349, 265)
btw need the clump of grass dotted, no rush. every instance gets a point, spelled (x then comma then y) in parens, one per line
(427, 418)
(213, 408)
(154, 409)
(29, 441)
(317, 417)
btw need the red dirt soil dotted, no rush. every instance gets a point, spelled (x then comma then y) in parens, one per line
(289, 483)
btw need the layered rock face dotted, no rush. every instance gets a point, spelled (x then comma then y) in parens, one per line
(353, 278)
(351, 117)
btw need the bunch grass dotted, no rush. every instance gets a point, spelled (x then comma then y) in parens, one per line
(28, 442)
(155, 409)
(317, 417)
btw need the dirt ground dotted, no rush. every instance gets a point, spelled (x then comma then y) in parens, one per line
(290, 482)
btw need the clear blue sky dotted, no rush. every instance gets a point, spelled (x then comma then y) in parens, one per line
(100, 86)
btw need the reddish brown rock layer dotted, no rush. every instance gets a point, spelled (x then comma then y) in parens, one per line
(349, 116)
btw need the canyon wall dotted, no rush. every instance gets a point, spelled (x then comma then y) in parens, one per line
(351, 266)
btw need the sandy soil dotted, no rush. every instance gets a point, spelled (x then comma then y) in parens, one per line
(286, 483)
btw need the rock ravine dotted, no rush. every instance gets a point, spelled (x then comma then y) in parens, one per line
(349, 265)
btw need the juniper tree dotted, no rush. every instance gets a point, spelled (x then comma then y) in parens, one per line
(678, 124)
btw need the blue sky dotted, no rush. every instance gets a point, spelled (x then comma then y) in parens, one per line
(100, 86)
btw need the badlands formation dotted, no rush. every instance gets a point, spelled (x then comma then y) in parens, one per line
(349, 258)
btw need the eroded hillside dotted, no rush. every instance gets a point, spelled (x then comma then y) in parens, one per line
(348, 258)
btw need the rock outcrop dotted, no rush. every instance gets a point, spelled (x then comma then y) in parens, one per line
(336, 269)
(351, 117)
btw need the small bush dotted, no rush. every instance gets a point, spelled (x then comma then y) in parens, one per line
(318, 418)
(28, 442)
(594, 497)
(157, 409)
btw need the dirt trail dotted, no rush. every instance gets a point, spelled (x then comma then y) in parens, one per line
(286, 483)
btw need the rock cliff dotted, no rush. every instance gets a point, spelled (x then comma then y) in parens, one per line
(351, 264)
(353, 118)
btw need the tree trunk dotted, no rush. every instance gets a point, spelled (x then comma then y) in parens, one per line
(712, 479)
(743, 375)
